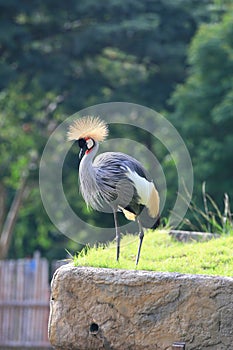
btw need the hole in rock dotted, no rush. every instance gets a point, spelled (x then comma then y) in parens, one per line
(94, 328)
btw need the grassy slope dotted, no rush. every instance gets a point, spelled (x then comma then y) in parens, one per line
(162, 253)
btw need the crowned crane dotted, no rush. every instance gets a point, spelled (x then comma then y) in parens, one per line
(114, 179)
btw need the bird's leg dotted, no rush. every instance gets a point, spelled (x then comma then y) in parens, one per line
(141, 235)
(118, 237)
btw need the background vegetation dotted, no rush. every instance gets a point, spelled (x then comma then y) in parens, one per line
(57, 58)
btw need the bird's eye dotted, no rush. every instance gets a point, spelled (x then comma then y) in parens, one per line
(90, 143)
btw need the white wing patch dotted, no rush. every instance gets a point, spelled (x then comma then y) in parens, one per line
(142, 185)
(146, 191)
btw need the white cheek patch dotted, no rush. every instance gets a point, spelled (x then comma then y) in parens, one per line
(90, 143)
(143, 186)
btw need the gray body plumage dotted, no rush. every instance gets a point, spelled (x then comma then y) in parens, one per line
(107, 181)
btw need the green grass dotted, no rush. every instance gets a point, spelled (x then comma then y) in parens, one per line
(160, 252)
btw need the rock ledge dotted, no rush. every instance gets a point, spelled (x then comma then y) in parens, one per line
(117, 309)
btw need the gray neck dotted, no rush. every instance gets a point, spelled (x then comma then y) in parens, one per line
(87, 176)
(86, 162)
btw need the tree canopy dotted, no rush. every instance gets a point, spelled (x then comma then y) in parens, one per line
(57, 58)
(203, 106)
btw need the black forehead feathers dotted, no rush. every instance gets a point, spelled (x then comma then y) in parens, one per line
(81, 143)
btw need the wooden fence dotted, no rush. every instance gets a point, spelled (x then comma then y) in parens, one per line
(24, 303)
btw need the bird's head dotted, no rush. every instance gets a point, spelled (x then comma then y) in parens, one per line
(87, 131)
(86, 145)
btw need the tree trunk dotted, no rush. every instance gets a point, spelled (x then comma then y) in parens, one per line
(2, 204)
(7, 231)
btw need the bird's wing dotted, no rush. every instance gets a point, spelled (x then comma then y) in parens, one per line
(146, 191)
(120, 167)
(117, 159)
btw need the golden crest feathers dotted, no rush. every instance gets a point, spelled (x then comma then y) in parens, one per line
(88, 126)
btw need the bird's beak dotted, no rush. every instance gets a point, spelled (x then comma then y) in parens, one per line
(82, 152)
(83, 147)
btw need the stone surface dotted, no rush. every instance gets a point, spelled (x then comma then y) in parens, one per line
(117, 309)
(189, 236)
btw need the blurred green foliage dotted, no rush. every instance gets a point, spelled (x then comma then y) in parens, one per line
(203, 107)
(57, 58)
